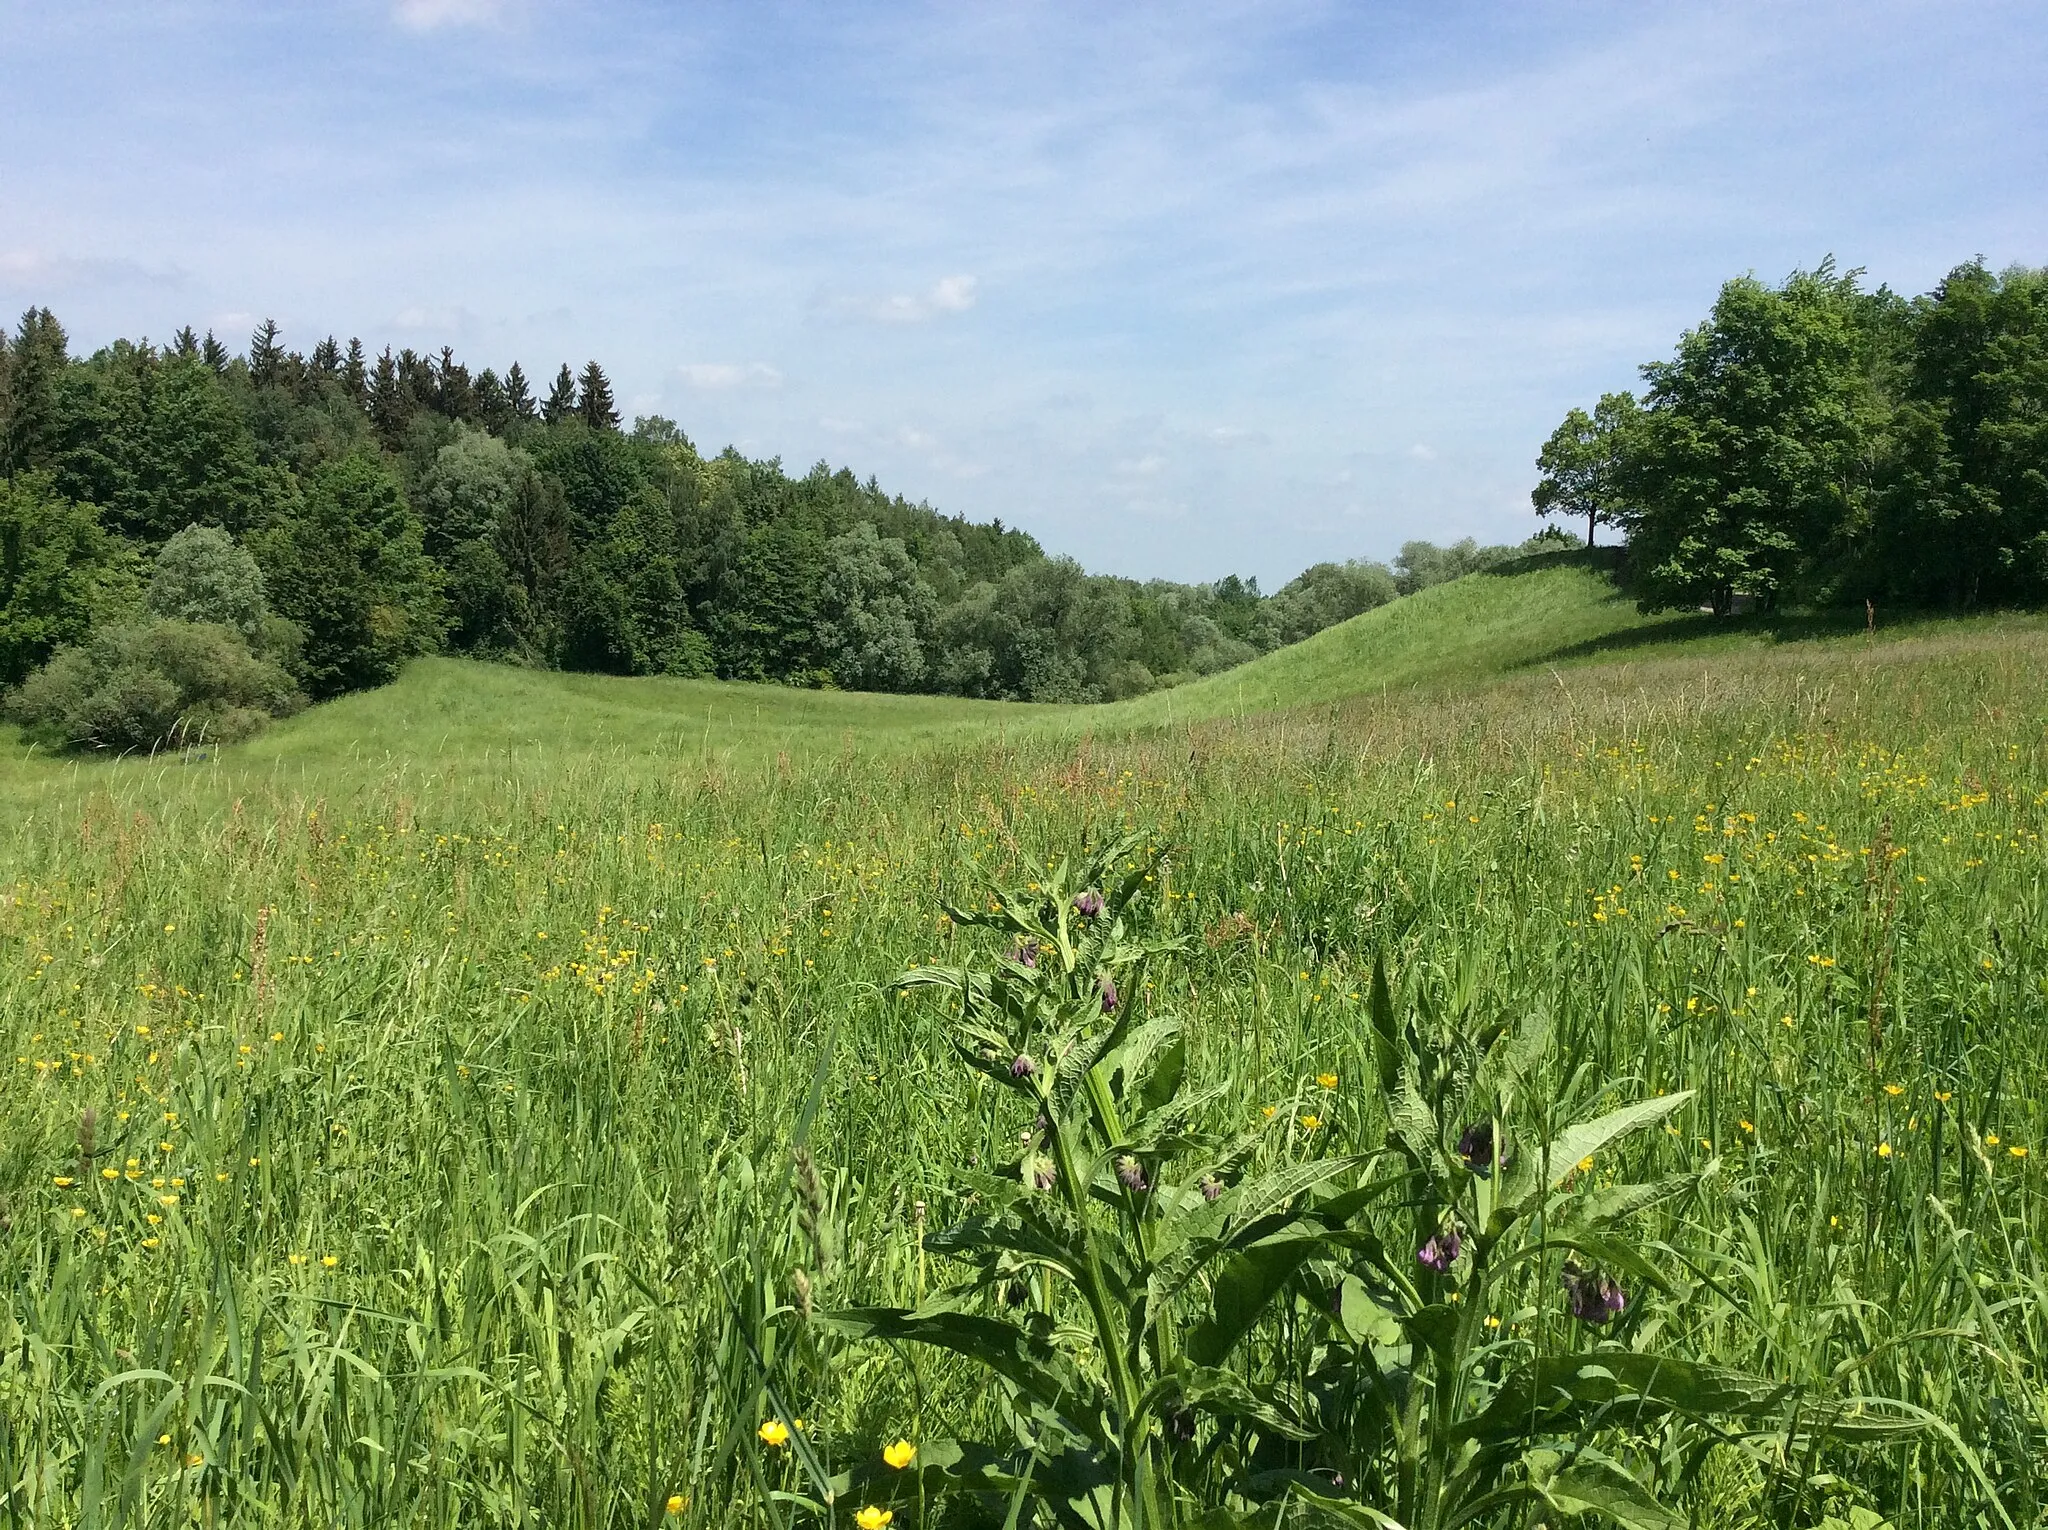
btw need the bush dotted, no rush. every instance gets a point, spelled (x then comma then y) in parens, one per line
(152, 686)
(203, 576)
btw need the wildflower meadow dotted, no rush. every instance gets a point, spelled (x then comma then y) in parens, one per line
(1609, 1093)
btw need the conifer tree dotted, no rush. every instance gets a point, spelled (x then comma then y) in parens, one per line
(386, 404)
(266, 356)
(598, 411)
(327, 357)
(492, 411)
(561, 399)
(355, 374)
(185, 344)
(214, 354)
(36, 363)
(518, 395)
(453, 393)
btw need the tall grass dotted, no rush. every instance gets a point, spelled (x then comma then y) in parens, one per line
(411, 1142)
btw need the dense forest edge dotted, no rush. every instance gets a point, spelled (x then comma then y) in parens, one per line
(193, 542)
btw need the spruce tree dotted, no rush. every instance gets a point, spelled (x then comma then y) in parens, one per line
(266, 356)
(386, 402)
(355, 377)
(492, 411)
(327, 357)
(453, 392)
(36, 363)
(518, 395)
(596, 405)
(561, 399)
(214, 354)
(185, 344)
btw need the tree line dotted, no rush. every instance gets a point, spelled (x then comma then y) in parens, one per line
(374, 509)
(1816, 443)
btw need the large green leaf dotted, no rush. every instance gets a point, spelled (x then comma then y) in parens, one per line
(1025, 1360)
(1597, 1486)
(1246, 1286)
(1577, 1143)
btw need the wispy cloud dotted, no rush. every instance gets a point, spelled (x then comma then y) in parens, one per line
(432, 15)
(947, 295)
(721, 376)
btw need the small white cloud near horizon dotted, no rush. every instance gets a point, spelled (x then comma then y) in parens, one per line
(431, 15)
(947, 295)
(720, 376)
(1422, 453)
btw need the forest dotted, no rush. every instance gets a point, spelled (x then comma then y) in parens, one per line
(191, 541)
(1816, 444)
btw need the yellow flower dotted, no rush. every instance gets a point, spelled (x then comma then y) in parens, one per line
(63, 1181)
(1748, 1126)
(1884, 1150)
(2017, 1152)
(1268, 1110)
(773, 1431)
(1327, 1080)
(329, 1260)
(195, 1460)
(899, 1455)
(1991, 1139)
(1311, 1123)
(872, 1518)
(1586, 1164)
(1895, 1090)
(1943, 1095)
(677, 1503)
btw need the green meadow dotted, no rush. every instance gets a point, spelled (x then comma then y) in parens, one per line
(470, 1101)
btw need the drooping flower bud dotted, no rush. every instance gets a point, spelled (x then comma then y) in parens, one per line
(1441, 1251)
(1476, 1146)
(1022, 1066)
(1089, 905)
(1594, 1296)
(1026, 954)
(1211, 1187)
(1109, 994)
(1131, 1172)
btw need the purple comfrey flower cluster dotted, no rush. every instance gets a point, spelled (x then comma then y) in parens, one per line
(1476, 1146)
(1441, 1251)
(1089, 905)
(1022, 1066)
(1594, 1296)
(1026, 954)
(1131, 1172)
(1109, 994)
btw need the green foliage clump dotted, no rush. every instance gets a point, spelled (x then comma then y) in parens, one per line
(1813, 442)
(61, 574)
(154, 685)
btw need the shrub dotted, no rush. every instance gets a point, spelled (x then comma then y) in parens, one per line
(153, 685)
(202, 575)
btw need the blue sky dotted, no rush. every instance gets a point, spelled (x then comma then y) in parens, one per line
(1183, 289)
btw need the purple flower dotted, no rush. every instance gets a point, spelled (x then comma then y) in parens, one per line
(1594, 1296)
(1022, 1067)
(1089, 905)
(1441, 1251)
(1109, 998)
(1044, 1175)
(1131, 1172)
(1211, 1187)
(1476, 1147)
(1026, 954)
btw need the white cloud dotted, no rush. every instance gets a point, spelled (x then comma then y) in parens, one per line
(431, 15)
(949, 294)
(1422, 453)
(720, 376)
(68, 272)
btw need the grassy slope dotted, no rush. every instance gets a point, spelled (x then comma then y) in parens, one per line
(1559, 609)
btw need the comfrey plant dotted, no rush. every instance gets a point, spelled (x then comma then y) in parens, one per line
(1190, 1333)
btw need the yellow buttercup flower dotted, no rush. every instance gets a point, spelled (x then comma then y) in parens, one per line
(872, 1518)
(677, 1503)
(1884, 1150)
(773, 1431)
(1311, 1123)
(899, 1455)
(1327, 1080)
